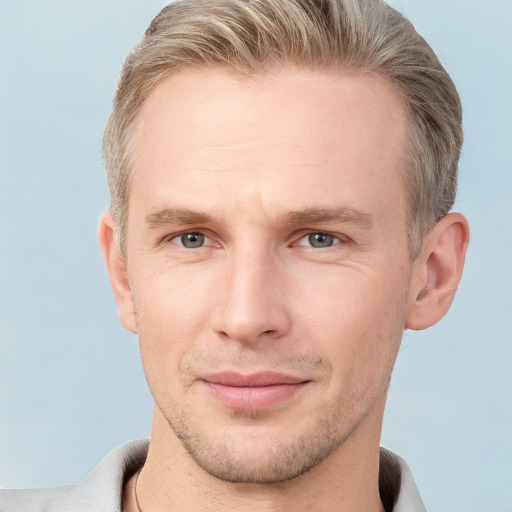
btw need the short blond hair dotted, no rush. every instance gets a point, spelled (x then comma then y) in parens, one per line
(252, 36)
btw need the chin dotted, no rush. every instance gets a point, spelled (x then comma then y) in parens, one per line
(259, 455)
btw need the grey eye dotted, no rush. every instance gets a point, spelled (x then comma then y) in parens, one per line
(320, 240)
(191, 240)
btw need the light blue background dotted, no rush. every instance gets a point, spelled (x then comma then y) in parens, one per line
(71, 386)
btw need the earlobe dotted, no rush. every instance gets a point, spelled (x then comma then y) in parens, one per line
(116, 268)
(438, 271)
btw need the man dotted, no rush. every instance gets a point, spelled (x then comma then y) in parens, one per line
(281, 176)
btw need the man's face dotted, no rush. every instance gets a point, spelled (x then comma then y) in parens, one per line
(268, 263)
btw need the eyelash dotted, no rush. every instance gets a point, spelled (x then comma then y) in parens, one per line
(337, 239)
(177, 236)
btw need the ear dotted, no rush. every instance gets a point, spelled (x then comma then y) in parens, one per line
(437, 272)
(116, 268)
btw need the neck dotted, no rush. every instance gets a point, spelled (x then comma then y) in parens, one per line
(346, 481)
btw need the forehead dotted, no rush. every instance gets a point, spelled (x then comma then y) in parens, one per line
(208, 129)
(198, 100)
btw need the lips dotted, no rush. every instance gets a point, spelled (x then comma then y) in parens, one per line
(252, 392)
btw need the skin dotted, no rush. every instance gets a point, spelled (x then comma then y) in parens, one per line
(288, 186)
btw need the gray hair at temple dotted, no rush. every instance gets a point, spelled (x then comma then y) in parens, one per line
(255, 36)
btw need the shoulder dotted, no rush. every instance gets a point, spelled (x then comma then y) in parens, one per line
(100, 491)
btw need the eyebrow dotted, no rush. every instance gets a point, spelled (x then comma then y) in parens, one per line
(308, 216)
(177, 216)
(317, 215)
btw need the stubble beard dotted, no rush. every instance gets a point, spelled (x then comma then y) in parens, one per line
(230, 460)
(241, 460)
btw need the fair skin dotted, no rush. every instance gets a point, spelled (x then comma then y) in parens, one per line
(267, 275)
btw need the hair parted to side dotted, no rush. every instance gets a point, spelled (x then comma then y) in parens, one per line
(254, 36)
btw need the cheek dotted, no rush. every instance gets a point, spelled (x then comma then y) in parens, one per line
(357, 322)
(171, 312)
(170, 301)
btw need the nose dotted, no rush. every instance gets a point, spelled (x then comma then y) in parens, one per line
(251, 304)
